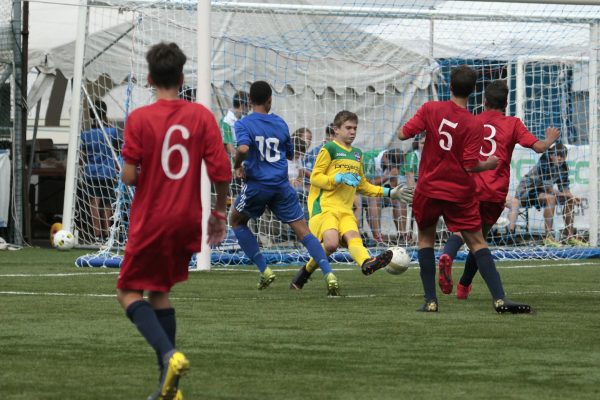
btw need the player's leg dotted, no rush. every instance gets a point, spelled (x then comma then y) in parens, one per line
(548, 202)
(174, 365)
(451, 247)
(465, 283)
(356, 248)
(426, 257)
(489, 273)
(251, 203)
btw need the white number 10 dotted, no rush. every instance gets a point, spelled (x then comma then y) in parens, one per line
(166, 152)
(446, 145)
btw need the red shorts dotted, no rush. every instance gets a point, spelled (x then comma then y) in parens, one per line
(152, 271)
(458, 216)
(490, 211)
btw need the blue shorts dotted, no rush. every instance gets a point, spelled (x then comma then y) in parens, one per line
(282, 201)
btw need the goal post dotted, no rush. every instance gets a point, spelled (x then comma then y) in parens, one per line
(382, 60)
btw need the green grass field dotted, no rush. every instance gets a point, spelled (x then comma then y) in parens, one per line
(63, 336)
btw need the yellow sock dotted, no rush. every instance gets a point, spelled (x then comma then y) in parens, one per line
(358, 251)
(311, 265)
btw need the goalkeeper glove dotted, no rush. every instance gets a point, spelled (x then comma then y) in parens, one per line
(402, 193)
(347, 178)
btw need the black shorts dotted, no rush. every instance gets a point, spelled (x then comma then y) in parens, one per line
(531, 199)
(101, 188)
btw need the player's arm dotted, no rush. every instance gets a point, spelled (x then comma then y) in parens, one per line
(367, 188)
(552, 135)
(414, 126)
(480, 166)
(243, 147)
(129, 175)
(318, 177)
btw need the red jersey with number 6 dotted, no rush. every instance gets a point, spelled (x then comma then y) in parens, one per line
(501, 135)
(168, 140)
(452, 142)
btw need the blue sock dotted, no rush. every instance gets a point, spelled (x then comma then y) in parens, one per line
(249, 244)
(144, 318)
(453, 244)
(489, 273)
(166, 318)
(427, 263)
(316, 251)
(470, 270)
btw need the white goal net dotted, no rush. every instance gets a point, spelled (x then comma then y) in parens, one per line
(380, 59)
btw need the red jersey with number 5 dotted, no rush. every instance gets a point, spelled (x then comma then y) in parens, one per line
(168, 140)
(501, 135)
(452, 142)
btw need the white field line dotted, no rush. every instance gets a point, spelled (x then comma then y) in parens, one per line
(246, 268)
(363, 296)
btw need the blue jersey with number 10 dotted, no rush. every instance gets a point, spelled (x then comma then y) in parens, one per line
(269, 140)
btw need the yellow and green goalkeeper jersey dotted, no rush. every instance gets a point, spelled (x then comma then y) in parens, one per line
(325, 194)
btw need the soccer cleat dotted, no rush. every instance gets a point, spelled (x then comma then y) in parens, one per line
(573, 241)
(504, 306)
(445, 274)
(549, 241)
(333, 287)
(266, 278)
(429, 306)
(300, 279)
(462, 292)
(176, 367)
(373, 264)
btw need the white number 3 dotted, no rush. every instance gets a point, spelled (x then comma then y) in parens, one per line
(490, 139)
(166, 152)
(447, 145)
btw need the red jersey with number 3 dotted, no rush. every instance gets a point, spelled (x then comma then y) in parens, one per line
(501, 135)
(452, 142)
(168, 140)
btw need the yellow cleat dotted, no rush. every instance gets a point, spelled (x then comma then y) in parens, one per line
(177, 367)
(573, 241)
(333, 287)
(549, 241)
(266, 278)
(179, 395)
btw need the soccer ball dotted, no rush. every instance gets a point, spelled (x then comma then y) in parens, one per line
(400, 261)
(64, 240)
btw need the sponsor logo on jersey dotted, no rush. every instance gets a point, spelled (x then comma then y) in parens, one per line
(340, 154)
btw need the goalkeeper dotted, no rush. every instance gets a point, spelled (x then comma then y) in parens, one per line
(336, 176)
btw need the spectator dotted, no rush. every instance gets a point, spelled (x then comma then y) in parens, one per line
(537, 189)
(310, 158)
(241, 105)
(98, 147)
(295, 171)
(410, 169)
(388, 165)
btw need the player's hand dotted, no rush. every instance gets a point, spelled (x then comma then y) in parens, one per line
(552, 135)
(491, 163)
(240, 173)
(347, 178)
(216, 231)
(402, 193)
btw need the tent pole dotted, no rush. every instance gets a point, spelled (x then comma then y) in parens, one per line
(73, 149)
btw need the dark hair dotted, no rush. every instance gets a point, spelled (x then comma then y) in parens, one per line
(298, 132)
(99, 107)
(240, 98)
(558, 149)
(462, 81)
(165, 64)
(496, 94)
(344, 116)
(260, 93)
(329, 130)
(299, 145)
(395, 157)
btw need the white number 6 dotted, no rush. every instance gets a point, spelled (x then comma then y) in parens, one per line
(446, 145)
(166, 152)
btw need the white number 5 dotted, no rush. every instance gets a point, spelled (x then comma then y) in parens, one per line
(446, 145)
(166, 152)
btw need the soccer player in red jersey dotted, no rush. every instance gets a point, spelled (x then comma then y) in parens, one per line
(453, 138)
(502, 133)
(165, 145)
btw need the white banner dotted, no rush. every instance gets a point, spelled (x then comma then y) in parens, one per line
(578, 160)
(4, 187)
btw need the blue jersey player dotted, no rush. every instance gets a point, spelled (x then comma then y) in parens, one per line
(264, 146)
